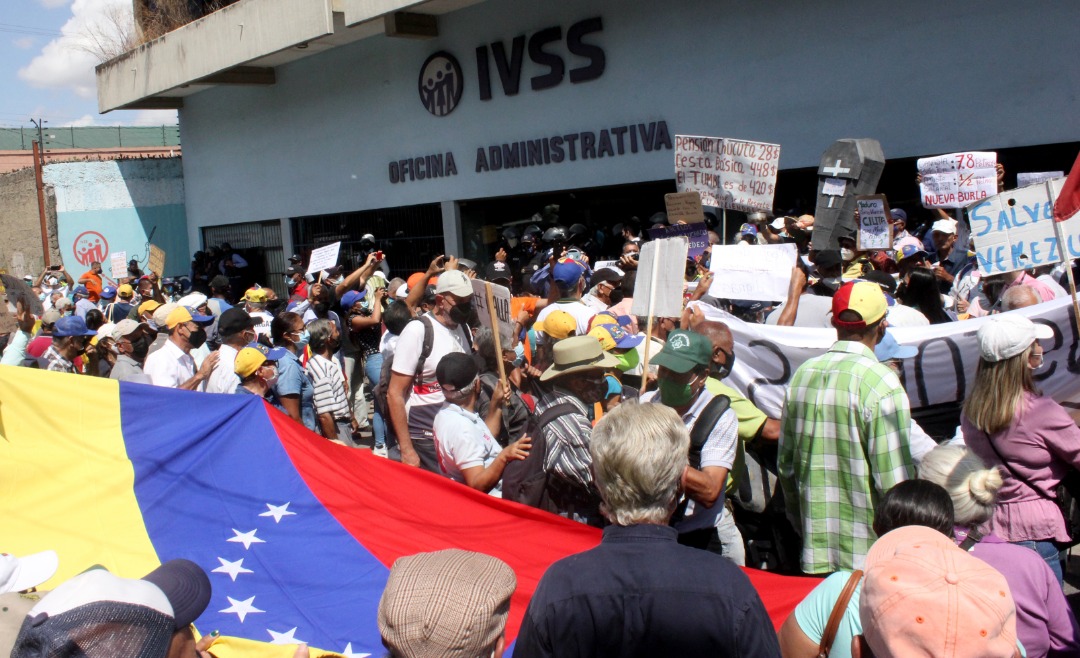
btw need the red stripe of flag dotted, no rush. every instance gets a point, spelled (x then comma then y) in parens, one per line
(1068, 202)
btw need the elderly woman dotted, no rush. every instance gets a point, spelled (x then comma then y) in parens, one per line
(1044, 622)
(1008, 423)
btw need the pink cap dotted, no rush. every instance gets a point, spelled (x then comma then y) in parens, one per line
(924, 596)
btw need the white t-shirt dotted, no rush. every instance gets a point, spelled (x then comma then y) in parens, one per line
(425, 401)
(264, 318)
(170, 367)
(464, 441)
(579, 311)
(899, 315)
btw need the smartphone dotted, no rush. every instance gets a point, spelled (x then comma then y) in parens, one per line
(378, 255)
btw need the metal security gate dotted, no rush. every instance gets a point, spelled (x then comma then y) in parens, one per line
(260, 244)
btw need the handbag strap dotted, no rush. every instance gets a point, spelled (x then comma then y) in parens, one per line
(838, 613)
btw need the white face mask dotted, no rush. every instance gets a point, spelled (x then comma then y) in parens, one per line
(847, 255)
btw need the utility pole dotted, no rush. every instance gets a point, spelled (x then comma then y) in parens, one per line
(39, 166)
(40, 125)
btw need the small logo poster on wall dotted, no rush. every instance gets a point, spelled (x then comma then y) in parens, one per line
(90, 247)
(441, 83)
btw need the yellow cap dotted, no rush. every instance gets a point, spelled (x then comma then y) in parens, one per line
(248, 360)
(149, 306)
(557, 324)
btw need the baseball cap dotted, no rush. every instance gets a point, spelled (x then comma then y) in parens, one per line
(292, 269)
(827, 258)
(367, 237)
(606, 274)
(446, 603)
(557, 324)
(182, 314)
(863, 297)
(497, 271)
(149, 306)
(72, 325)
(455, 371)
(888, 349)
(125, 291)
(104, 331)
(62, 303)
(256, 295)
(219, 282)
(567, 271)
(898, 214)
(947, 226)
(402, 292)
(108, 292)
(295, 258)
(81, 290)
(127, 327)
(683, 351)
(21, 573)
(922, 595)
(351, 297)
(161, 313)
(194, 300)
(778, 223)
(884, 280)
(50, 316)
(609, 317)
(250, 358)
(1006, 335)
(235, 320)
(749, 229)
(612, 336)
(186, 586)
(910, 252)
(453, 282)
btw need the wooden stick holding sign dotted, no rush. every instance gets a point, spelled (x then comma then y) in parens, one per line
(498, 341)
(492, 304)
(665, 261)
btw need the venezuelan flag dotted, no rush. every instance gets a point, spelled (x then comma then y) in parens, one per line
(297, 533)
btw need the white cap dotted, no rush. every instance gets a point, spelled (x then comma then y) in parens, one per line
(106, 330)
(21, 573)
(946, 226)
(402, 291)
(778, 223)
(194, 300)
(99, 585)
(1008, 334)
(453, 282)
(379, 274)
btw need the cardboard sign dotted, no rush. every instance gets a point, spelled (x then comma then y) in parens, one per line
(1023, 180)
(684, 207)
(324, 258)
(157, 260)
(751, 272)
(727, 173)
(957, 180)
(663, 262)
(875, 223)
(118, 262)
(502, 323)
(1015, 229)
(848, 168)
(697, 236)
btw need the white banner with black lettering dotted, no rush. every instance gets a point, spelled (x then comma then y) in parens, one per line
(942, 372)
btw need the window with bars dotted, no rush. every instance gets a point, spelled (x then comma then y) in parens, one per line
(260, 245)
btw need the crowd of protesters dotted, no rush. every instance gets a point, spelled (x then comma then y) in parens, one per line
(656, 454)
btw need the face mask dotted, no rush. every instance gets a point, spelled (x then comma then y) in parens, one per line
(833, 283)
(847, 255)
(140, 347)
(302, 339)
(270, 381)
(616, 296)
(197, 338)
(461, 313)
(512, 242)
(292, 283)
(722, 371)
(674, 394)
(628, 361)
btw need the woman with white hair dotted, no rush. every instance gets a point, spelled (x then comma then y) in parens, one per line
(1044, 622)
(1008, 423)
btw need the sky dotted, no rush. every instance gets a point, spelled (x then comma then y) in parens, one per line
(46, 75)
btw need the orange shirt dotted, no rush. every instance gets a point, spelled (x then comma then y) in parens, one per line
(93, 285)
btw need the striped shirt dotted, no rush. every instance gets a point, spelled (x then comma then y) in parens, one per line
(843, 443)
(567, 459)
(329, 384)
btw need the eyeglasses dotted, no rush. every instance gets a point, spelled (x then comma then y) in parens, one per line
(1035, 359)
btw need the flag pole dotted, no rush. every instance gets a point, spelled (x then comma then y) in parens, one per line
(649, 322)
(1065, 260)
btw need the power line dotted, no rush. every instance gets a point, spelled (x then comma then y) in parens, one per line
(33, 31)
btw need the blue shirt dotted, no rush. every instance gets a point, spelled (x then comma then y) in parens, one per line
(292, 380)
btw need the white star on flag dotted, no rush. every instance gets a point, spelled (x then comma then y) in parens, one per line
(348, 652)
(278, 511)
(241, 608)
(245, 538)
(287, 637)
(232, 568)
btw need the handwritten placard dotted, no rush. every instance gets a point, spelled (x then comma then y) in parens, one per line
(157, 260)
(662, 262)
(752, 272)
(118, 264)
(684, 208)
(1030, 178)
(875, 223)
(957, 180)
(697, 236)
(501, 296)
(727, 173)
(324, 258)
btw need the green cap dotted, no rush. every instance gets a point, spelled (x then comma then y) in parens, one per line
(683, 351)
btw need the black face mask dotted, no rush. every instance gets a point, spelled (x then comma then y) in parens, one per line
(461, 313)
(197, 338)
(616, 296)
(722, 371)
(140, 347)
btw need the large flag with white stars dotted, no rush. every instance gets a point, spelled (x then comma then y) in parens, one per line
(297, 533)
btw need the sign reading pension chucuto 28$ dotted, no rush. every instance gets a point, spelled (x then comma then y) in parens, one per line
(875, 223)
(728, 173)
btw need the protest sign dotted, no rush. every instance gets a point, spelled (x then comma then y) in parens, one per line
(501, 307)
(661, 272)
(1015, 229)
(157, 260)
(727, 173)
(697, 236)
(324, 258)
(957, 180)
(848, 168)
(684, 207)
(1023, 180)
(752, 272)
(609, 264)
(118, 263)
(875, 223)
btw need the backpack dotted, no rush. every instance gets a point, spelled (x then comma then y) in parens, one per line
(699, 434)
(525, 481)
(379, 394)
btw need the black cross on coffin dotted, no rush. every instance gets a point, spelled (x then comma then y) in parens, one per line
(859, 163)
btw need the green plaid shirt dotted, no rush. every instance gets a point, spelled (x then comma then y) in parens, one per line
(844, 442)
